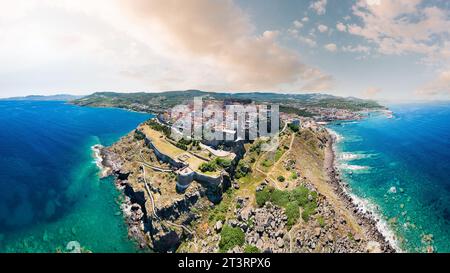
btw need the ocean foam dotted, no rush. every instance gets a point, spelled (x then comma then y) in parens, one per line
(98, 159)
(353, 167)
(337, 137)
(367, 206)
(349, 156)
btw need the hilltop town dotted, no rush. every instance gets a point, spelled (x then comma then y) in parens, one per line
(234, 195)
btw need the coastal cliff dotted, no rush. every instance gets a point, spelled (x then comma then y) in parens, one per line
(306, 211)
(157, 214)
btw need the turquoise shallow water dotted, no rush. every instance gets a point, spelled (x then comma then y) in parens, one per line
(402, 165)
(51, 193)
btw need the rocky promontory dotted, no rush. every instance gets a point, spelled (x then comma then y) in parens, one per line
(294, 203)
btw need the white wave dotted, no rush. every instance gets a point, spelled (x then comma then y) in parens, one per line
(336, 136)
(366, 206)
(350, 156)
(354, 167)
(98, 159)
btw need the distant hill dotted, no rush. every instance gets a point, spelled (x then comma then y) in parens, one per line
(159, 102)
(60, 97)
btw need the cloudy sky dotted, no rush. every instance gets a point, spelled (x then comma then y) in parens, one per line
(381, 49)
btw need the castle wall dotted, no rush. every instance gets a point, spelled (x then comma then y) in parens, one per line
(163, 157)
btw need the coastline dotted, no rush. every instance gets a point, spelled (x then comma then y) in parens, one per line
(376, 228)
(133, 213)
(104, 170)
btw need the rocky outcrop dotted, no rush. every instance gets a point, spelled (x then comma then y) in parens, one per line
(179, 207)
(164, 238)
(265, 228)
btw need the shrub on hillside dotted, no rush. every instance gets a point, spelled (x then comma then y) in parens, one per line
(292, 213)
(251, 249)
(263, 196)
(242, 169)
(223, 162)
(294, 127)
(231, 237)
(208, 167)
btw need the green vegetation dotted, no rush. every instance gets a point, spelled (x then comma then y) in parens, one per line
(291, 201)
(352, 104)
(262, 197)
(242, 169)
(267, 163)
(230, 237)
(350, 236)
(185, 143)
(138, 135)
(216, 164)
(219, 212)
(208, 167)
(159, 127)
(294, 127)
(321, 221)
(293, 110)
(293, 213)
(308, 210)
(256, 147)
(294, 175)
(182, 146)
(251, 249)
(223, 162)
(278, 154)
(281, 178)
(160, 102)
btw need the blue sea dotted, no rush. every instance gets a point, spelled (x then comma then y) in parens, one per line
(401, 166)
(50, 191)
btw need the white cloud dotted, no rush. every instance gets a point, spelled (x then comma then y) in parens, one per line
(307, 40)
(140, 45)
(319, 6)
(331, 47)
(271, 34)
(305, 19)
(319, 81)
(298, 24)
(439, 87)
(371, 92)
(400, 26)
(341, 27)
(322, 28)
(358, 48)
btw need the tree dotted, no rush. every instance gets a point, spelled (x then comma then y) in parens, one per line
(231, 237)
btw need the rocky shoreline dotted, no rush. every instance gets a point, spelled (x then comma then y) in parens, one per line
(153, 234)
(132, 205)
(366, 218)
